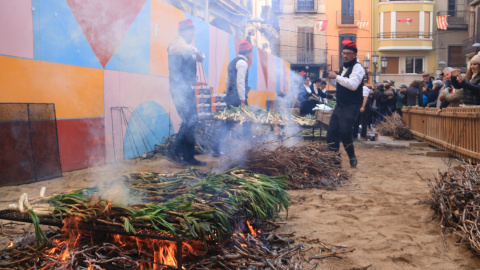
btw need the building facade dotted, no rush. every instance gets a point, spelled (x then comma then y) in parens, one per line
(301, 41)
(470, 45)
(404, 35)
(449, 42)
(348, 20)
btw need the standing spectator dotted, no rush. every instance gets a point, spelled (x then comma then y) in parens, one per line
(413, 93)
(470, 84)
(389, 100)
(182, 66)
(433, 96)
(427, 80)
(362, 116)
(349, 86)
(401, 98)
(378, 106)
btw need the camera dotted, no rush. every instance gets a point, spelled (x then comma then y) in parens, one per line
(325, 74)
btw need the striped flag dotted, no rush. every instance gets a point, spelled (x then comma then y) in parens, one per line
(442, 22)
(322, 24)
(362, 24)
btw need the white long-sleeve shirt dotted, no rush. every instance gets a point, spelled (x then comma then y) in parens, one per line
(242, 68)
(354, 80)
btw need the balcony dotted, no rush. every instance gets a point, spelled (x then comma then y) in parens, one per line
(467, 45)
(306, 6)
(457, 20)
(401, 41)
(406, 35)
(347, 21)
(303, 57)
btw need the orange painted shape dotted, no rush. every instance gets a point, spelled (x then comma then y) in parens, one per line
(222, 88)
(76, 91)
(259, 98)
(164, 27)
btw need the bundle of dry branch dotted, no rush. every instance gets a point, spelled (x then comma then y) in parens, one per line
(244, 251)
(394, 126)
(454, 196)
(307, 166)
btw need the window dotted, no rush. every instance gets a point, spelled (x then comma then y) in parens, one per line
(347, 12)
(305, 5)
(305, 45)
(413, 65)
(276, 5)
(341, 38)
(392, 65)
(451, 7)
(455, 57)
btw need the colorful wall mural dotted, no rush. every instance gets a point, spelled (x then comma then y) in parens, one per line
(104, 66)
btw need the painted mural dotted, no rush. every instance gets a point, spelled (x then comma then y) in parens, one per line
(104, 66)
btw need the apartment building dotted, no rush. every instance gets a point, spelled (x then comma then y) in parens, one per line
(404, 34)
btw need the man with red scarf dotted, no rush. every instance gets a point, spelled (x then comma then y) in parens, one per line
(349, 84)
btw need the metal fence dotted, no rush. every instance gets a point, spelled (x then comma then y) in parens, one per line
(29, 143)
(454, 130)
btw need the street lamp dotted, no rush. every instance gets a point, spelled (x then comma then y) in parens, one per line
(375, 62)
(366, 63)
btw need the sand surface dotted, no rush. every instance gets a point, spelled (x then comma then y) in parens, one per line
(377, 213)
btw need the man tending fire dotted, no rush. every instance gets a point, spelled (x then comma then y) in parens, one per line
(182, 66)
(237, 80)
(349, 86)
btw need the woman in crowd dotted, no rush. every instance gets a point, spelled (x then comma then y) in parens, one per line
(470, 84)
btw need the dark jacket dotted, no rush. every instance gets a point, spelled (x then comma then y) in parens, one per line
(413, 96)
(471, 90)
(432, 97)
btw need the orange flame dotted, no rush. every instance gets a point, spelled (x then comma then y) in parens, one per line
(252, 231)
(11, 245)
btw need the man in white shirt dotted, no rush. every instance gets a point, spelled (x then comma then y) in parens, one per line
(237, 78)
(349, 86)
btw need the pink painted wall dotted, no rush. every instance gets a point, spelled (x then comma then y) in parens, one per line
(16, 28)
(131, 90)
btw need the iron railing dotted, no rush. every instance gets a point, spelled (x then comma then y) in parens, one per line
(401, 34)
(303, 56)
(467, 44)
(457, 18)
(348, 21)
(306, 6)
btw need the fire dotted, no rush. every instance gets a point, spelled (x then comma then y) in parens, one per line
(252, 231)
(11, 245)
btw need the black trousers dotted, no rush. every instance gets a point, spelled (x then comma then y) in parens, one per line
(340, 128)
(185, 102)
(362, 119)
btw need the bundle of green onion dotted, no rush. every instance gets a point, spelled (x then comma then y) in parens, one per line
(197, 205)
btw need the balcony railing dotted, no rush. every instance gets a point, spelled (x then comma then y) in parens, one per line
(406, 35)
(348, 21)
(306, 6)
(303, 57)
(457, 19)
(467, 44)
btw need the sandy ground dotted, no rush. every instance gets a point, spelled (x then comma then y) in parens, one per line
(378, 212)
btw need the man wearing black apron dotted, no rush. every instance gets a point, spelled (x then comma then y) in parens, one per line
(349, 86)
(182, 67)
(237, 95)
